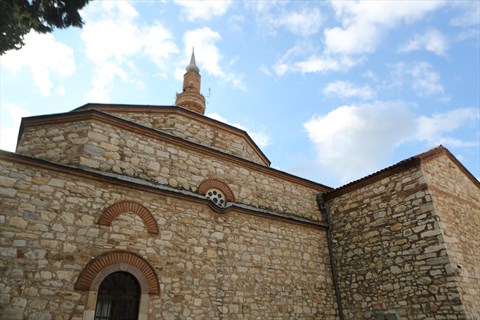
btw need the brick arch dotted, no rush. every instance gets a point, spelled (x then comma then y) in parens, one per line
(217, 184)
(116, 209)
(118, 260)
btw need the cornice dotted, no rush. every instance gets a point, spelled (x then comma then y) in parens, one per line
(95, 115)
(365, 181)
(176, 110)
(427, 156)
(142, 185)
(415, 161)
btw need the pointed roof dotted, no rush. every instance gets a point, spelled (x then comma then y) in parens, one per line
(193, 65)
(398, 167)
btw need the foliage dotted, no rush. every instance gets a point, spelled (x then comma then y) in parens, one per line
(19, 17)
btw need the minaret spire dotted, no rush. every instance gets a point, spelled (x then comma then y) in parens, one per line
(191, 98)
(193, 65)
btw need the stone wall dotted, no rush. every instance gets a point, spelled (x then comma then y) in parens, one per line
(122, 150)
(209, 265)
(189, 126)
(190, 129)
(62, 143)
(389, 249)
(456, 200)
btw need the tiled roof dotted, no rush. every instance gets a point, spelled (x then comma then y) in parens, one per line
(398, 167)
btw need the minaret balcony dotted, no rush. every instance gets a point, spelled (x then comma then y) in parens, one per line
(192, 101)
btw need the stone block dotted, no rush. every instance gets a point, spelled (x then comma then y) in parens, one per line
(17, 222)
(12, 313)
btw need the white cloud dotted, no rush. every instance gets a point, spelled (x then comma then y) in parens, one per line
(208, 56)
(293, 61)
(432, 40)
(434, 129)
(10, 125)
(467, 19)
(60, 91)
(363, 22)
(424, 81)
(473, 33)
(362, 25)
(265, 70)
(207, 53)
(345, 89)
(357, 38)
(217, 117)
(114, 38)
(264, 7)
(303, 22)
(469, 16)
(44, 56)
(203, 10)
(385, 13)
(236, 80)
(284, 63)
(353, 141)
(261, 138)
(324, 63)
(281, 68)
(356, 140)
(235, 22)
(102, 81)
(273, 15)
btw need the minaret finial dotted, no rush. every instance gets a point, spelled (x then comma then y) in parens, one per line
(193, 65)
(191, 98)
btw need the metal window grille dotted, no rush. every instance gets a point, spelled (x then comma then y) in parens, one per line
(118, 297)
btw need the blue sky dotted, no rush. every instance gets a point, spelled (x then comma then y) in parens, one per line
(330, 91)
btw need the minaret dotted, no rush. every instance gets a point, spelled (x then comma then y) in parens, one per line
(191, 98)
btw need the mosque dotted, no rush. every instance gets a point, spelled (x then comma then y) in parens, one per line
(159, 212)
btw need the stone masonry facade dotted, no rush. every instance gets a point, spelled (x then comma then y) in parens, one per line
(402, 242)
(188, 211)
(102, 146)
(398, 241)
(186, 125)
(457, 204)
(209, 265)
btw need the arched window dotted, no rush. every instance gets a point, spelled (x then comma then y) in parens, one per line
(95, 273)
(217, 197)
(216, 191)
(118, 297)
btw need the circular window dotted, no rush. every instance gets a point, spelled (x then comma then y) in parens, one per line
(217, 197)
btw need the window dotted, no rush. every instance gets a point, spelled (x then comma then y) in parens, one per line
(118, 297)
(140, 281)
(217, 197)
